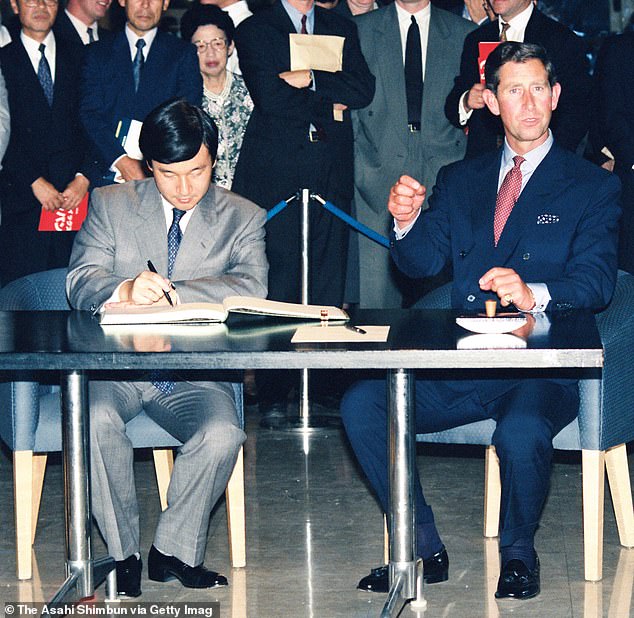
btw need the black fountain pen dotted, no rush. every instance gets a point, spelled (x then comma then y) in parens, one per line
(167, 294)
(356, 329)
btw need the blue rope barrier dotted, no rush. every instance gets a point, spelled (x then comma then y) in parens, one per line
(345, 217)
(353, 223)
(277, 209)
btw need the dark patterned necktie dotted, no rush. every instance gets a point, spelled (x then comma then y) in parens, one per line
(304, 29)
(137, 63)
(505, 27)
(413, 76)
(507, 196)
(44, 75)
(174, 237)
(91, 36)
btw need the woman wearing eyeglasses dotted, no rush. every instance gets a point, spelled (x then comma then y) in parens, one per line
(225, 96)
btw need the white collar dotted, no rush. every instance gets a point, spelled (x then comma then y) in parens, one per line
(520, 21)
(148, 37)
(82, 28)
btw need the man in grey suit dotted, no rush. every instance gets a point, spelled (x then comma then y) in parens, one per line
(207, 243)
(386, 142)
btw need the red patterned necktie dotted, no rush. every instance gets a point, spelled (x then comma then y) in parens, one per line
(303, 30)
(507, 196)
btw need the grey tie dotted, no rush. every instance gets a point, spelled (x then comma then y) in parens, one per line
(137, 63)
(44, 75)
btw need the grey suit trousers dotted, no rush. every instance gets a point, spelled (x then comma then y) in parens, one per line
(205, 419)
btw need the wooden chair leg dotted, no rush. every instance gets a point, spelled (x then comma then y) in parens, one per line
(236, 520)
(492, 492)
(163, 466)
(593, 468)
(23, 510)
(39, 468)
(621, 490)
(386, 542)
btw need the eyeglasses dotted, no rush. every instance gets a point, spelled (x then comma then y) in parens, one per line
(33, 3)
(201, 46)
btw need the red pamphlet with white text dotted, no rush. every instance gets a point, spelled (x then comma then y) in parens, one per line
(484, 49)
(64, 220)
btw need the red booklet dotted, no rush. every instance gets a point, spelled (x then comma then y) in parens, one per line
(484, 49)
(64, 220)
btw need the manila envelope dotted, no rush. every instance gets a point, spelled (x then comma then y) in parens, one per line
(319, 52)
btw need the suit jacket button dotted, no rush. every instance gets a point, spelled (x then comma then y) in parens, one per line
(93, 308)
(471, 298)
(526, 256)
(463, 253)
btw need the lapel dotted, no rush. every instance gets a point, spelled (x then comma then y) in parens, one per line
(31, 80)
(546, 181)
(483, 201)
(435, 68)
(533, 27)
(63, 79)
(122, 60)
(155, 67)
(197, 240)
(282, 21)
(148, 225)
(390, 68)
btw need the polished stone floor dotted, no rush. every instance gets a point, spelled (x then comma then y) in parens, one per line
(313, 529)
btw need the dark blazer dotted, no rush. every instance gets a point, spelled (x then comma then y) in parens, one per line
(268, 166)
(45, 141)
(614, 76)
(572, 250)
(107, 92)
(64, 29)
(565, 49)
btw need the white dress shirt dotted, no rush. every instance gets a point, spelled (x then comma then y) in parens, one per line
(405, 21)
(33, 51)
(148, 37)
(82, 28)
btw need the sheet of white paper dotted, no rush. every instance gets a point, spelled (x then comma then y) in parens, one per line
(340, 334)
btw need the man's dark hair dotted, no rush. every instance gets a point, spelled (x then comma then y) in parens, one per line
(512, 51)
(206, 15)
(175, 130)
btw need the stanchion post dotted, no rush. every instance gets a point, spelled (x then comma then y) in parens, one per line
(304, 403)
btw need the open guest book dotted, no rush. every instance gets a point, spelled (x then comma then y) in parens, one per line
(196, 313)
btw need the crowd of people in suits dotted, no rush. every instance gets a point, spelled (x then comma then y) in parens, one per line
(408, 99)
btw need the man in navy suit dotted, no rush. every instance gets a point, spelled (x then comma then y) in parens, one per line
(556, 250)
(520, 20)
(77, 23)
(127, 77)
(294, 140)
(47, 163)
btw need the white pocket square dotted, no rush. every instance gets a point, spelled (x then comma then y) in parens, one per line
(546, 218)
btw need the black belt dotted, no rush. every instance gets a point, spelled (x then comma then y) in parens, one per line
(317, 136)
(414, 127)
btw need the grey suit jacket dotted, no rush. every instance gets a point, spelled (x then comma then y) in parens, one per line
(380, 130)
(384, 149)
(221, 254)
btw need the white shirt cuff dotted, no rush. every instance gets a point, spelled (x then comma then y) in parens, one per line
(463, 114)
(400, 233)
(541, 295)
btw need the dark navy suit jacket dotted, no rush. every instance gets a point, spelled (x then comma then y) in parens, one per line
(565, 49)
(562, 231)
(107, 93)
(45, 141)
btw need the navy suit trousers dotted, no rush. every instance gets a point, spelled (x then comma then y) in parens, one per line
(529, 414)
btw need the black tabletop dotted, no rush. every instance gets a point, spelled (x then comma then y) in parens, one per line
(417, 339)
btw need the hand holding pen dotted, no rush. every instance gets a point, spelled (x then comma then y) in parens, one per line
(152, 268)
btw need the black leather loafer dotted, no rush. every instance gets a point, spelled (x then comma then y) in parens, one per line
(129, 577)
(162, 568)
(517, 581)
(435, 570)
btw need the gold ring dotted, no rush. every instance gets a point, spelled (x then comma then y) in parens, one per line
(508, 298)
